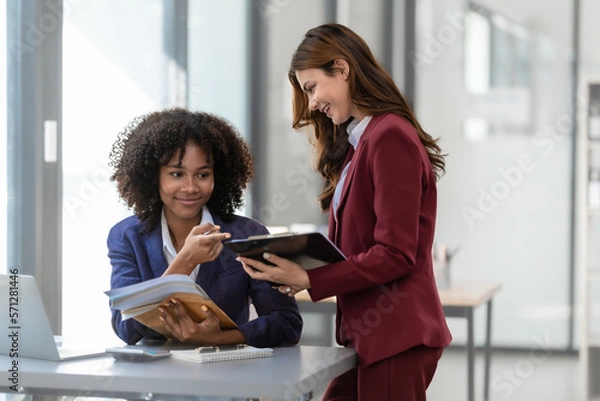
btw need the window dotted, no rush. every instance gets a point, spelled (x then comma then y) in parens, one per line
(497, 75)
(3, 122)
(107, 81)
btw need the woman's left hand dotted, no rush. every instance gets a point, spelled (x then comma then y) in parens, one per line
(180, 324)
(292, 276)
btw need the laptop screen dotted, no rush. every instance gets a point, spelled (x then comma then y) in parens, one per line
(24, 327)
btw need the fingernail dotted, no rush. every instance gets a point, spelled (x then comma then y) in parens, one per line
(205, 308)
(288, 289)
(173, 301)
(227, 235)
(266, 255)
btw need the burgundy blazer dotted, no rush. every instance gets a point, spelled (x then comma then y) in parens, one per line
(387, 298)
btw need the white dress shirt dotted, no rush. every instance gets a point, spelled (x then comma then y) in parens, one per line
(355, 131)
(168, 247)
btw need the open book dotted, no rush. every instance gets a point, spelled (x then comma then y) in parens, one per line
(141, 301)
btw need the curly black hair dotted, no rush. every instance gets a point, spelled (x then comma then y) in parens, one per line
(149, 142)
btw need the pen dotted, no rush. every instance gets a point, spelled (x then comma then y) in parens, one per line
(211, 230)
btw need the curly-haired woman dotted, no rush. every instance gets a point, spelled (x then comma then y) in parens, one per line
(183, 174)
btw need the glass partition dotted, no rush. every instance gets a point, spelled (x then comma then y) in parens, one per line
(3, 152)
(217, 79)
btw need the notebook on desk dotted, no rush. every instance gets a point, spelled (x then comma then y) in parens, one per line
(25, 330)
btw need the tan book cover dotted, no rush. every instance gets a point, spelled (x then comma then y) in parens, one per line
(193, 304)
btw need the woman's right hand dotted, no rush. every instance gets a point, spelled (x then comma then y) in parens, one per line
(203, 244)
(291, 275)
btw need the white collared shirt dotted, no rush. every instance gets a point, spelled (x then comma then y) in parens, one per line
(168, 247)
(355, 130)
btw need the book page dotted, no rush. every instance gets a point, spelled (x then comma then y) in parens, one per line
(152, 291)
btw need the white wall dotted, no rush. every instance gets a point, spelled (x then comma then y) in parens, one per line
(520, 234)
(589, 33)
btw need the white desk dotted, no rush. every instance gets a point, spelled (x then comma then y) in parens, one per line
(460, 300)
(293, 373)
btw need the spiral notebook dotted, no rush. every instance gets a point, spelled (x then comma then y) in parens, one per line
(222, 354)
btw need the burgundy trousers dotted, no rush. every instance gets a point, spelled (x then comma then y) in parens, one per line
(402, 377)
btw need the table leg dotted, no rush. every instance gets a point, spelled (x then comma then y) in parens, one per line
(470, 356)
(328, 330)
(488, 352)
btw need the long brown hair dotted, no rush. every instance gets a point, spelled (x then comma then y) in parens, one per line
(372, 90)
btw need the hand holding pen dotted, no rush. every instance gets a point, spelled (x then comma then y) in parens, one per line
(203, 244)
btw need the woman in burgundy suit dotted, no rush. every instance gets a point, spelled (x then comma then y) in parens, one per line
(380, 169)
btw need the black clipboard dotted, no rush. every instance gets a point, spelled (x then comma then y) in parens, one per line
(309, 250)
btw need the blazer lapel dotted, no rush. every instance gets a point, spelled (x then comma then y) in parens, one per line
(352, 168)
(347, 180)
(154, 244)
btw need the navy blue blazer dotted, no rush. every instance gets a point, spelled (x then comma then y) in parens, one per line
(137, 256)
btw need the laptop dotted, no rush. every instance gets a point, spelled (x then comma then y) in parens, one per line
(24, 326)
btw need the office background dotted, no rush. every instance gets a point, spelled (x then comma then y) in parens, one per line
(495, 81)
